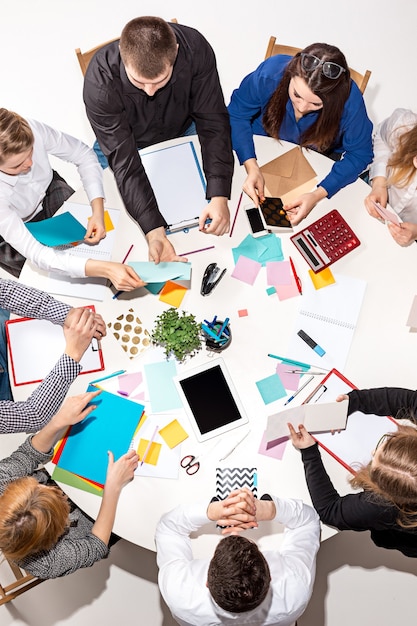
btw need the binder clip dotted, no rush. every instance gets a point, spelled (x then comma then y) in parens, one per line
(211, 278)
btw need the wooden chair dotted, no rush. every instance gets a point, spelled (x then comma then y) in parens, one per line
(84, 58)
(21, 581)
(276, 48)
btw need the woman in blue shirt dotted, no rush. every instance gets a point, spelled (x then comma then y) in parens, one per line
(310, 100)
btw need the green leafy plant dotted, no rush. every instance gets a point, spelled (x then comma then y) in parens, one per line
(179, 334)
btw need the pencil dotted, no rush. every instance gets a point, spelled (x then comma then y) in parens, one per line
(195, 251)
(237, 211)
(117, 294)
(148, 447)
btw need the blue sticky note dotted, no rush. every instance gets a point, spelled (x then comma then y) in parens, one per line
(59, 230)
(109, 427)
(163, 393)
(160, 273)
(271, 388)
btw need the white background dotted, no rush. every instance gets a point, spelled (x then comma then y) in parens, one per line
(40, 78)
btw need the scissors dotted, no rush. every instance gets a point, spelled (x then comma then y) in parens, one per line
(189, 465)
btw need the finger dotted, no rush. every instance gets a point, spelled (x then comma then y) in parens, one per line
(110, 457)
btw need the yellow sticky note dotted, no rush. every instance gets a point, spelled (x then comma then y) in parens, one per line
(173, 433)
(108, 224)
(322, 279)
(152, 455)
(172, 293)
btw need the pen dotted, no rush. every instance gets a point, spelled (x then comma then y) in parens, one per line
(299, 389)
(296, 278)
(93, 382)
(117, 294)
(195, 251)
(225, 323)
(290, 361)
(234, 447)
(304, 372)
(148, 447)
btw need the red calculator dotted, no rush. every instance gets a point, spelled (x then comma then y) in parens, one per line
(325, 241)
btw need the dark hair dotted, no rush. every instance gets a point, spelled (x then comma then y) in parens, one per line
(333, 94)
(394, 476)
(238, 575)
(148, 44)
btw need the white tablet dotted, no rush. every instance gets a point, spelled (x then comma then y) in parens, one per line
(210, 400)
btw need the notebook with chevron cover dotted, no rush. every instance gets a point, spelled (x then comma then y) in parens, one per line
(230, 478)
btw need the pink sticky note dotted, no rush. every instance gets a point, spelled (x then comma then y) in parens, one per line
(246, 270)
(287, 291)
(290, 381)
(273, 449)
(243, 312)
(129, 382)
(278, 273)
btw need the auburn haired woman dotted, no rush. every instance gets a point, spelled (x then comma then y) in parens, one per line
(387, 504)
(310, 100)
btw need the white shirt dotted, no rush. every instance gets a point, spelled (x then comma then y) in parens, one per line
(182, 579)
(402, 199)
(21, 196)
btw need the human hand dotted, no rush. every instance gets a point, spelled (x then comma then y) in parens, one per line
(218, 211)
(342, 397)
(298, 209)
(101, 330)
(95, 227)
(254, 185)
(237, 512)
(75, 409)
(122, 471)
(379, 194)
(123, 277)
(404, 234)
(301, 439)
(160, 248)
(80, 326)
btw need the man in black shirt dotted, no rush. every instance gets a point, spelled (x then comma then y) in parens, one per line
(151, 86)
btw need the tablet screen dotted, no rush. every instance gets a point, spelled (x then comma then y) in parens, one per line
(210, 400)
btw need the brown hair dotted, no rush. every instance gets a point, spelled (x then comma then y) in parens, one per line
(401, 168)
(15, 134)
(148, 45)
(238, 575)
(333, 94)
(394, 476)
(32, 517)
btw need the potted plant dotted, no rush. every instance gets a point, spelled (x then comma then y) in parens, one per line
(179, 334)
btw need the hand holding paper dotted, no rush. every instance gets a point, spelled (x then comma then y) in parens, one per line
(314, 417)
(300, 438)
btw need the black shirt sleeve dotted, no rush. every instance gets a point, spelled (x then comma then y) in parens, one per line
(393, 401)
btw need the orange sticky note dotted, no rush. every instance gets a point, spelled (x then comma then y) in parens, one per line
(108, 224)
(322, 279)
(152, 455)
(172, 293)
(173, 433)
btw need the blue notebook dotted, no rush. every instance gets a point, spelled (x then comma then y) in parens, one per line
(58, 230)
(110, 427)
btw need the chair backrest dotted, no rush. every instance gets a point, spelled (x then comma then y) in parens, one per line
(18, 581)
(84, 58)
(274, 48)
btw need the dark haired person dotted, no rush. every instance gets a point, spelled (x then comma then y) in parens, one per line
(310, 100)
(240, 584)
(387, 502)
(159, 82)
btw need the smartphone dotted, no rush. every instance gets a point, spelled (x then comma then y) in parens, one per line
(256, 222)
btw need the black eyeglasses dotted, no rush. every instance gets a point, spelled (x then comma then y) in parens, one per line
(331, 70)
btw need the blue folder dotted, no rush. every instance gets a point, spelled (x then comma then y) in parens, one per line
(110, 426)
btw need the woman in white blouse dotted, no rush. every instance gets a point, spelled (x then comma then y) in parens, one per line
(393, 173)
(30, 190)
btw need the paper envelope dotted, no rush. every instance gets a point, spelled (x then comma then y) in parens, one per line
(288, 176)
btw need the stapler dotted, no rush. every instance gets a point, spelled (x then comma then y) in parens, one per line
(211, 278)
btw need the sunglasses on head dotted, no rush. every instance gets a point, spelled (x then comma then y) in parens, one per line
(331, 70)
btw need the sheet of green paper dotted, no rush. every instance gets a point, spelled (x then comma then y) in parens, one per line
(151, 273)
(161, 387)
(58, 230)
(109, 427)
(68, 478)
(271, 388)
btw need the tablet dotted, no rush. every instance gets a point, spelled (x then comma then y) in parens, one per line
(210, 400)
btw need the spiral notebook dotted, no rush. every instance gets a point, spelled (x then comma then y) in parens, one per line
(329, 317)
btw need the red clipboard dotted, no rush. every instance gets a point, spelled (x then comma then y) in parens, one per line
(352, 446)
(35, 346)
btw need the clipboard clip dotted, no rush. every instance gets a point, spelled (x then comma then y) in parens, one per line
(211, 278)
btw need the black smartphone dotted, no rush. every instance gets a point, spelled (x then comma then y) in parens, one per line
(256, 222)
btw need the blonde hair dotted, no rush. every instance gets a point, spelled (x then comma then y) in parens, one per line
(15, 134)
(401, 169)
(32, 518)
(394, 476)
